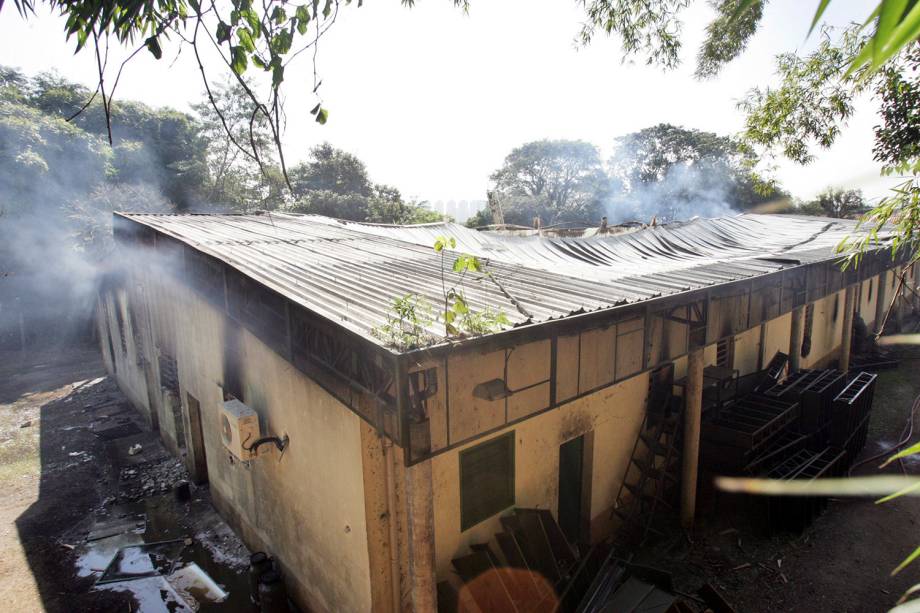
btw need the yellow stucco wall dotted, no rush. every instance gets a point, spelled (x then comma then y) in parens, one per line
(868, 299)
(776, 336)
(826, 330)
(747, 351)
(610, 413)
(307, 507)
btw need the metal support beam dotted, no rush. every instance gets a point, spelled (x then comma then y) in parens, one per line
(881, 301)
(795, 338)
(693, 413)
(849, 306)
(422, 581)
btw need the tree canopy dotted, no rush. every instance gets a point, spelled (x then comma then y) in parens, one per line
(675, 172)
(838, 203)
(336, 183)
(556, 180)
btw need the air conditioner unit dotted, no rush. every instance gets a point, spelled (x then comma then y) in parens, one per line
(239, 428)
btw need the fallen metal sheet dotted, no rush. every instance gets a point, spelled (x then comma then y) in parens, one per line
(141, 561)
(135, 522)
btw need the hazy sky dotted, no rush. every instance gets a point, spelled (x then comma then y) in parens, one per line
(432, 99)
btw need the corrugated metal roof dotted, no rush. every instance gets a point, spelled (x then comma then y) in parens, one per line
(350, 272)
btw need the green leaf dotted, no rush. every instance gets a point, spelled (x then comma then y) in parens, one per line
(303, 19)
(913, 556)
(245, 39)
(743, 7)
(258, 62)
(822, 6)
(277, 73)
(239, 60)
(282, 42)
(322, 116)
(252, 18)
(901, 492)
(81, 39)
(890, 12)
(153, 45)
(328, 8)
(223, 32)
(279, 15)
(234, 19)
(915, 448)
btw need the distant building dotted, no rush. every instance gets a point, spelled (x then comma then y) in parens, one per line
(369, 471)
(459, 210)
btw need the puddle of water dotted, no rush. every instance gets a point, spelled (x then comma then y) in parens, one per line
(210, 576)
(153, 595)
(94, 557)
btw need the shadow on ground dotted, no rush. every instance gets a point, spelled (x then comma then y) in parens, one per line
(94, 496)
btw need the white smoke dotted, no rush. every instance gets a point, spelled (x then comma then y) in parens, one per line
(683, 193)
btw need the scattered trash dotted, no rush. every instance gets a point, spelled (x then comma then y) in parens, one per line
(192, 580)
(25, 424)
(742, 566)
(135, 449)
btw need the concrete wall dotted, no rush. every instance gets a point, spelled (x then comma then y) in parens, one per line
(306, 507)
(614, 417)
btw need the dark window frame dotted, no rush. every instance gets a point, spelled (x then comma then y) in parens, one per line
(725, 352)
(470, 517)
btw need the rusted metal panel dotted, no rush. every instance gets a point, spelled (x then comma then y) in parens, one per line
(350, 273)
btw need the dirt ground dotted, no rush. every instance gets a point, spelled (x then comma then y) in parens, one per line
(841, 563)
(66, 478)
(59, 477)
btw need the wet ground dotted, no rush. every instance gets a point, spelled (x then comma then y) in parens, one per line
(840, 563)
(86, 482)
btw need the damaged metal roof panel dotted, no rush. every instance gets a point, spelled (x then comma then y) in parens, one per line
(350, 273)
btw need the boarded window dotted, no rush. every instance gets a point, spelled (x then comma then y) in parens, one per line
(486, 480)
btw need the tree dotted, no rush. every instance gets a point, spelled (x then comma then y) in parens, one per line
(333, 170)
(242, 170)
(162, 147)
(270, 35)
(336, 183)
(653, 30)
(838, 203)
(673, 172)
(556, 180)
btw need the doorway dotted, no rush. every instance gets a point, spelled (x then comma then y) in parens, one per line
(571, 480)
(198, 468)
